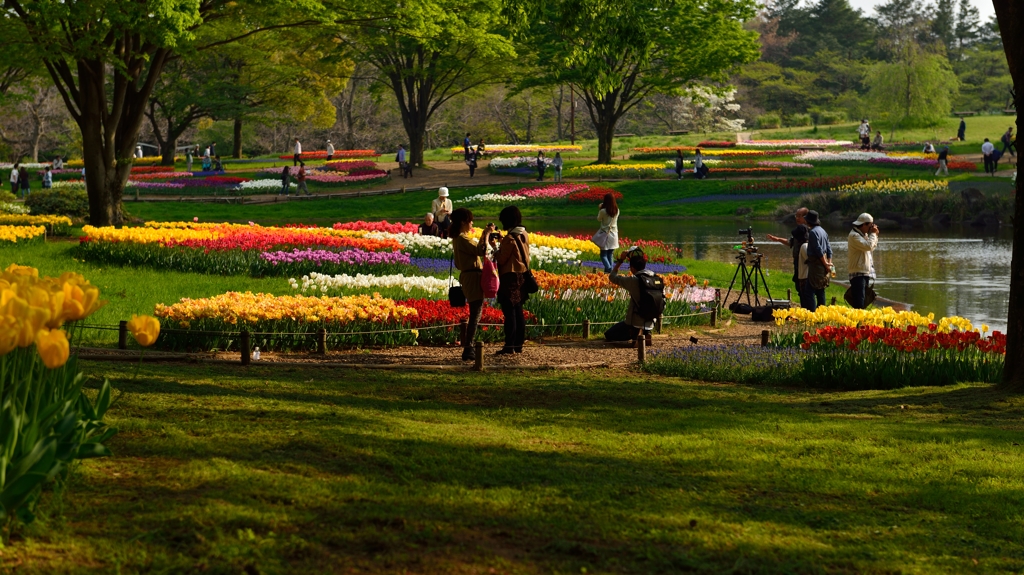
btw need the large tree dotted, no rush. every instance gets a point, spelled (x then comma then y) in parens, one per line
(431, 52)
(106, 56)
(1010, 14)
(616, 52)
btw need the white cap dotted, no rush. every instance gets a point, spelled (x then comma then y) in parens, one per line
(442, 192)
(864, 218)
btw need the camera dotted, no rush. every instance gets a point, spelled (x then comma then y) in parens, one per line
(749, 232)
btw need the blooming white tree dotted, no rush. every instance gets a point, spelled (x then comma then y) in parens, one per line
(705, 111)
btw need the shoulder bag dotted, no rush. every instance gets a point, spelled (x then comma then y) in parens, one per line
(456, 297)
(529, 283)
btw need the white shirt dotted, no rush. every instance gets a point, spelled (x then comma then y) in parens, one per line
(330, 149)
(803, 270)
(863, 130)
(987, 148)
(14, 176)
(298, 148)
(440, 205)
(206, 153)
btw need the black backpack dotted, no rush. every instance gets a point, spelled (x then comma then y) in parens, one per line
(652, 297)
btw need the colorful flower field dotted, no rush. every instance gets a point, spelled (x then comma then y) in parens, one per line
(530, 194)
(322, 154)
(516, 149)
(894, 187)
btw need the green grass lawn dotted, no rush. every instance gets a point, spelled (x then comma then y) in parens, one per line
(312, 470)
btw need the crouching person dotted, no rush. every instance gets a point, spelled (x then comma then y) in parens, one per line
(646, 294)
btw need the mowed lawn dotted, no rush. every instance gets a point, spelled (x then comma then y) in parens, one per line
(219, 469)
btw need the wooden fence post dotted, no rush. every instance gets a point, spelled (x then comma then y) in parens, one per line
(478, 365)
(765, 334)
(321, 341)
(463, 327)
(641, 348)
(586, 329)
(246, 347)
(789, 294)
(122, 334)
(714, 317)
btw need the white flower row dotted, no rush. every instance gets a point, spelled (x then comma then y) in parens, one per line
(323, 283)
(69, 185)
(518, 161)
(544, 254)
(838, 156)
(11, 208)
(26, 165)
(415, 243)
(483, 198)
(262, 185)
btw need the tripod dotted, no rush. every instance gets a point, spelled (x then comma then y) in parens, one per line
(750, 277)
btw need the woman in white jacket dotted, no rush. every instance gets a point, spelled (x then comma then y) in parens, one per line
(862, 242)
(607, 238)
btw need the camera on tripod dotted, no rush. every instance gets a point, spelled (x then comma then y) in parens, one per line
(748, 246)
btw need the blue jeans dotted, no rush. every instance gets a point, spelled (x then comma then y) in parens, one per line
(608, 260)
(858, 291)
(811, 298)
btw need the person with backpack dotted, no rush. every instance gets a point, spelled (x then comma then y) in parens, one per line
(646, 294)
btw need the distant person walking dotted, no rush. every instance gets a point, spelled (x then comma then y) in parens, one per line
(700, 171)
(943, 158)
(47, 179)
(330, 151)
(188, 160)
(466, 145)
(14, 179)
(286, 181)
(819, 262)
(679, 164)
(540, 166)
(213, 150)
(298, 153)
(557, 165)
(864, 133)
(1009, 142)
(861, 242)
(471, 161)
(961, 132)
(607, 236)
(301, 179)
(403, 165)
(988, 152)
(23, 180)
(876, 144)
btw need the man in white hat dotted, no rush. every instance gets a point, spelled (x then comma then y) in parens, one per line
(862, 241)
(441, 207)
(330, 151)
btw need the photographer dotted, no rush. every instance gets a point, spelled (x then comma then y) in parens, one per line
(862, 241)
(513, 259)
(799, 232)
(642, 280)
(467, 252)
(819, 262)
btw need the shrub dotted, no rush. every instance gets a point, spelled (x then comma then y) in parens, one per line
(831, 118)
(770, 120)
(71, 203)
(799, 120)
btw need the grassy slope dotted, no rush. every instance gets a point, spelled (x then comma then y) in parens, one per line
(225, 470)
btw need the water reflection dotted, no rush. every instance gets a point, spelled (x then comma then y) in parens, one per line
(958, 271)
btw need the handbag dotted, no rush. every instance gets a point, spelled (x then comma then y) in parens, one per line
(456, 297)
(529, 283)
(489, 282)
(818, 276)
(600, 239)
(869, 294)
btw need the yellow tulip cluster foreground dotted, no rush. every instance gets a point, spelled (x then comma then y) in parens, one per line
(15, 233)
(878, 317)
(235, 307)
(33, 310)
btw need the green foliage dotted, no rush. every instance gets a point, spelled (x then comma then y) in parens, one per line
(831, 118)
(769, 120)
(59, 202)
(47, 423)
(799, 120)
(916, 90)
(911, 204)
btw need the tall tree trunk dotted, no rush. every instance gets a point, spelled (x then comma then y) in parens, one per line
(605, 112)
(416, 138)
(168, 149)
(605, 137)
(1010, 15)
(236, 147)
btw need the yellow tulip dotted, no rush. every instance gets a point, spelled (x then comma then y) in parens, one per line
(145, 329)
(52, 345)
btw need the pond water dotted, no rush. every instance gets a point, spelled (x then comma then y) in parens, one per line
(954, 271)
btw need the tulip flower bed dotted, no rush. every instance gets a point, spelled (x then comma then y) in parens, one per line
(55, 225)
(502, 149)
(14, 234)
(792, 143)
(800, 185)
(594, 195)
(616, 171)
(534, 193)
(894, 187)
(716, 144)
(47, 421)
(641, 154)
(322, 154)
(954, 165)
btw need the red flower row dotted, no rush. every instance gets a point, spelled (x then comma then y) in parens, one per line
(440, 312)
(322, 154)
(593, 195)
(716, 144)
(907, 340)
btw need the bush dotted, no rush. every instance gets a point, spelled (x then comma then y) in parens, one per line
(771, 120)
(799, 120)
(831, 118)
(7, 197)
(71, 203)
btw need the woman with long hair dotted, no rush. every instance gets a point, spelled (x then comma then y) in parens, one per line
(607, 237)
(513, 259)
(467, 252)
